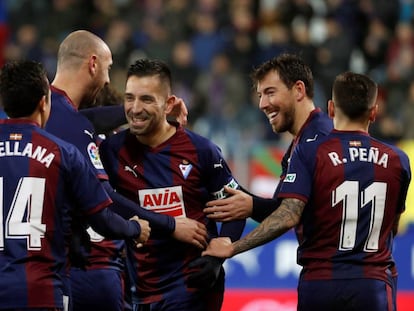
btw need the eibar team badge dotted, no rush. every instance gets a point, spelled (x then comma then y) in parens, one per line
(185, 168)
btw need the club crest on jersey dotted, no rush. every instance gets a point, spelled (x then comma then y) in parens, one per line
(93, 153)
(167, 201)
(185, 168)
(290, 178)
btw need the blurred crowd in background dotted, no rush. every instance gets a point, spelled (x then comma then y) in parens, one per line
(212, 46)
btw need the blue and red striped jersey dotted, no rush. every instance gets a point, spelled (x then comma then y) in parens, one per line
(67, 123)
(317, 125)
(42, 179)
(354, 187)
(176, 178)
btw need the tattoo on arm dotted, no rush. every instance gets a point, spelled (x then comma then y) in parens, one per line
(285, 217)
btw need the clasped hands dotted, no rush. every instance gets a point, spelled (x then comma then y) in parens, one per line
(145, 231)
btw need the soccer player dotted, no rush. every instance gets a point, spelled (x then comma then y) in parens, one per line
(344, 194)
(173, 171)
(40, 174)
(83, 65)
(284, 85)
(107, 116)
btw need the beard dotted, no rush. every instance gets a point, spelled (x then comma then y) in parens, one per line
(286, 122)
(89, 100)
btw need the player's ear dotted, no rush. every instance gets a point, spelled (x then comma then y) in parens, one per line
(92, 64)
(170, 104)
(331, 108)
(373, 113)
(42, 106)
(43, 110)
(300, 90)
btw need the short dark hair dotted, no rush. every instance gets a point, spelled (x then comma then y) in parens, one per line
(290, 67)
(147, 67)
(22, 86)
(354, 94)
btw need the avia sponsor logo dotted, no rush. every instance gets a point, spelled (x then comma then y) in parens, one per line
(168, 201)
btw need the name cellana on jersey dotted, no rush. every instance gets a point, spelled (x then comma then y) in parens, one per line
(38, 153)
(371, 154)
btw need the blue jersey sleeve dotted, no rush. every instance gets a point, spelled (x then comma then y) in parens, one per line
(113, 226)
(126, 208)
(220, 175)
(80, 131)
(106, 118)
(298, 180)
(317, 126)
(263, 207)
(86, 187)
(405, 180)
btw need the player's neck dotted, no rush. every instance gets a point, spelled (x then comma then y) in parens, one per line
(165, 132)
(301, 115)
(348, 125)
(73, 91)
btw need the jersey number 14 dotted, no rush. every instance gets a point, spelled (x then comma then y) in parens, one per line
(24, 218)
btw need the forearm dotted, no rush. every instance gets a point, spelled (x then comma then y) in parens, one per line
(281, 220)
(126, 208)
(113, 226)
(105, 118)
(263, 207)
(233, 229)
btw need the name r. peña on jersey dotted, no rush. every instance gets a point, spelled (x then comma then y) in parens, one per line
(361, 154)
